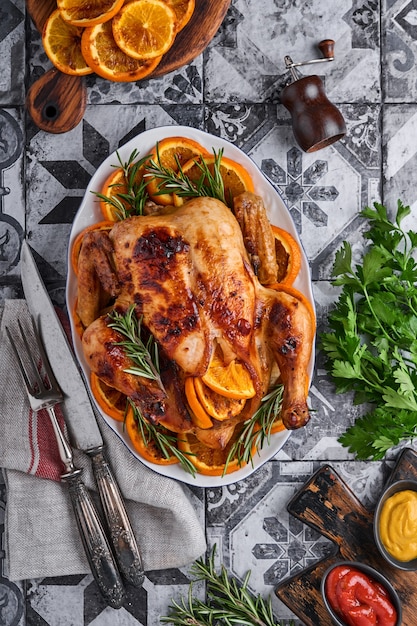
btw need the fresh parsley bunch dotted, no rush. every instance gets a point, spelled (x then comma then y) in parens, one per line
(372, 349)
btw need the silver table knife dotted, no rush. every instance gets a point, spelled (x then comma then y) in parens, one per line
(80, 418)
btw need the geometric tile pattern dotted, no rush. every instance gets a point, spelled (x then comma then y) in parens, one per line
(255, 531)
(12, 37)
(231, 90)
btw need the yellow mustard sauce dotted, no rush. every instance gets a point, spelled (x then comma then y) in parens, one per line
(398, 525)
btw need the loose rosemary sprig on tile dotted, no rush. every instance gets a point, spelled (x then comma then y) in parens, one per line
(228, 601)
(209, 184)
(144, 356)
(165, 441)
(257, 429)
(133, 201)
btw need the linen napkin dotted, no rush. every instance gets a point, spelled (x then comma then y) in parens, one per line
(41, 533)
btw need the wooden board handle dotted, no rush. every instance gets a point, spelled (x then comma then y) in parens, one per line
(327, 504)
(56, 102)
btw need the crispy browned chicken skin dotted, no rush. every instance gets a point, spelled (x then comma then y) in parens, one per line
(189, 276)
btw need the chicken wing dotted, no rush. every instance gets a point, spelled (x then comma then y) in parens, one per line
(257, 236)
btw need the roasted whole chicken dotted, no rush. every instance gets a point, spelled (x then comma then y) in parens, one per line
(188, 273)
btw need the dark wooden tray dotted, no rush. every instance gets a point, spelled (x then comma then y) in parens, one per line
(56, 102)
(329, 506)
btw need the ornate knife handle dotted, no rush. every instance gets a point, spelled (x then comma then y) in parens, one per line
(122, 537)
(96, 546)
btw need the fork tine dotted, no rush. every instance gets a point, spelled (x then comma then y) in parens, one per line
(22, 365)
(44, 358)
(35, 370)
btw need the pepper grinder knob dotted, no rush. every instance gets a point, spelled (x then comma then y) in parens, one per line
(326, 47)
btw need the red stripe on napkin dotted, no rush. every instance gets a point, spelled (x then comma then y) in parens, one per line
(46, 460)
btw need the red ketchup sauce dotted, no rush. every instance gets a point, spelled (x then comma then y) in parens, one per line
(358, 599)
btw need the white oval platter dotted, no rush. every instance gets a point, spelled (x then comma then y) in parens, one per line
(278, 214)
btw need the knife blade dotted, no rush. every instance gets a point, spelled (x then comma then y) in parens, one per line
(80, 417)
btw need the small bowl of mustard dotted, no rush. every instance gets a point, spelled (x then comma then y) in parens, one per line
(356, 593)
(395, 524)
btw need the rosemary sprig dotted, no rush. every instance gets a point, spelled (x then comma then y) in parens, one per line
(146, 363)
(133, 201)
(145, 356)
(209, 184)
(228, 602)
(257, 429)
(165, 441)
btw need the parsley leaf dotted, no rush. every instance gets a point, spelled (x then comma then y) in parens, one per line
(371, 348)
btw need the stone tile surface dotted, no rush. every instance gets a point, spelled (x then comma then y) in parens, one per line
(232, 90)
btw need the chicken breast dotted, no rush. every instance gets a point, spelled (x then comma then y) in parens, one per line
(189, 276)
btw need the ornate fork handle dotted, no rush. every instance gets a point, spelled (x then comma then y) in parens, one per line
(121, 533)
(96, 546)
(95, 543)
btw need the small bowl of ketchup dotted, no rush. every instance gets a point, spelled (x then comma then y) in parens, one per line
(356, 594)
(395, 524)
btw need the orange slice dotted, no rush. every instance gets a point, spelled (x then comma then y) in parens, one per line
(88, 12)
(76, 246)
(146, 449)
(114, 187)
(183, 10)
(62, 44)
(217, 406)
(288, 256)
(170, 153)
(110, 400)
(199, 416)
(232, 380)
(145, 29)
(107, 60)
(208, 461)
(277, 426)
(235, 178)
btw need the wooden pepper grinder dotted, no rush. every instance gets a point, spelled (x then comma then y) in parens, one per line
(316, 122)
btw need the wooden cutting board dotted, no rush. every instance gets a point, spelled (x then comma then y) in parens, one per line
(328, 505)
(56, 102)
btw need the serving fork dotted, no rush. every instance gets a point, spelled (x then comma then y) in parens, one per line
(44, 392)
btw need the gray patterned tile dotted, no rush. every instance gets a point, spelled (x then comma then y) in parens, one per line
(251, 528)
(232, 90)
(399, 51)
(12, 607)
(252, 43)
(75, 600)
(12, 49)
(400, 155)
(12, 201)
(184, 86)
